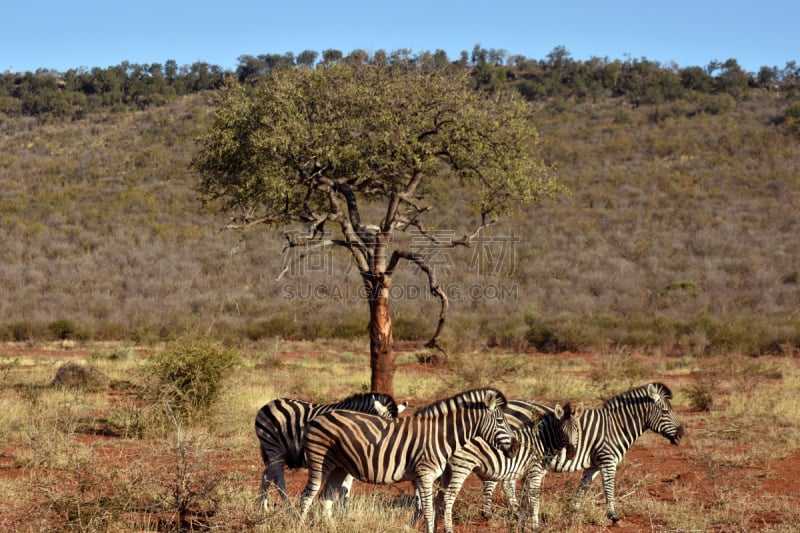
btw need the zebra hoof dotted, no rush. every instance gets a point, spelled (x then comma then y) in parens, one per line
(614, 518)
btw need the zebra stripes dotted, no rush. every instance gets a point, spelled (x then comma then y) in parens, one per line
(376, 450)
(606, 434)
(540, 437)
(279, 426)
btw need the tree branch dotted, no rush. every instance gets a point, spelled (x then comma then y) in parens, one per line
(352, 205)
(396, 198)
(244, 221)
(465, 240)
(434, 287)
(311, 244)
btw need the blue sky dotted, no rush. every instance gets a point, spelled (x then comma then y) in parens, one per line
(65, 34)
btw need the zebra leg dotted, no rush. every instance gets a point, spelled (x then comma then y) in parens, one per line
(344, 491)
(334, 487)
(510, 488)
(532, 485)
(423, 486)
(452, 488)
(273, 473)
(586, 481)
(417, 506)
(316, 475)
(488, 491)
(262, 497)
(609, 482)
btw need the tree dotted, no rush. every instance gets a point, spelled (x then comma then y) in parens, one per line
(733, 79)
(322, 147)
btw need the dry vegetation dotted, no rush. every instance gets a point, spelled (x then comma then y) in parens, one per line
(679, 237)
(679, 241)
(105, 455)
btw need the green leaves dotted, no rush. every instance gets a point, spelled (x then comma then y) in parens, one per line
(290, 146)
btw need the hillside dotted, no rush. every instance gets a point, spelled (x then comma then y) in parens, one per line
(680, 236)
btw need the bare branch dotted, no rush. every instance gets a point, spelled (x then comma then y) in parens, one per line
(312, 244)
(414, 205)
(352, 205)
(243, 222)
(465, 240)
(434, 287)
(292, 242)
(396, 198)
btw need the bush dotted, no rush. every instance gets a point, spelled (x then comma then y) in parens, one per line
(545, 337)
(351, 329)
(188, 377)
(17, 332)
(63, 329)
(792, 118)
(701, 396)
(412, 328)
(277, 326)
(717, 104)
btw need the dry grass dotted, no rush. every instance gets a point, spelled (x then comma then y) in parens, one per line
(59, 472)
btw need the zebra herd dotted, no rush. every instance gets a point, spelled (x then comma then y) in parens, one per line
(477, 431)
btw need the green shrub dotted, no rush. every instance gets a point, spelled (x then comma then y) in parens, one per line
(188, 376)
(717, 104)
(277, 326)
(412, 328)
(64, 329)
(792, 118)
(17, 332)
(351, 329)
(545, 337)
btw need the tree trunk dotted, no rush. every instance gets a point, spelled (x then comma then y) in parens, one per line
(380, 339)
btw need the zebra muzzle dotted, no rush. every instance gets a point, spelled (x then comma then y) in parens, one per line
(572, 451)
(676, 438)
(512, 449)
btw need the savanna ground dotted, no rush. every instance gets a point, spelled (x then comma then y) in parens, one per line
(106, 456)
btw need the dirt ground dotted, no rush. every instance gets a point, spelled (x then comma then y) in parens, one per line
(667, 473)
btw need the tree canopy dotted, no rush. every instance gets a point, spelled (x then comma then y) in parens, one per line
(281, 152)
(317, 146)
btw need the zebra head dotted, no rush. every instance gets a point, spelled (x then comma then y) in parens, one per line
(495, 428)
(385, 407)
(568, 427)
(662, 418)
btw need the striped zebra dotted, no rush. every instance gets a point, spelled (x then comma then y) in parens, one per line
(279, 428)
(541, 437)
(416, 448)
(607, 433)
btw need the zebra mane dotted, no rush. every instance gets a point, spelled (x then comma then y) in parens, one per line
(384, 399)
(465, 399)
(636, 395)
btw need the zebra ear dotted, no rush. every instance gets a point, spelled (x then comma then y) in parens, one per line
(577, 411)
(402, 407)
(491, 399)
(381, 409)
(653, 392)
(558, 411)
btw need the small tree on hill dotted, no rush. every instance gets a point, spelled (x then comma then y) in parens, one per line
(314, 147)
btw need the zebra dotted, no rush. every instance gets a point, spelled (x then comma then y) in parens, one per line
(541, 436)
(279, 428)
(607, 433)
(416, 448)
